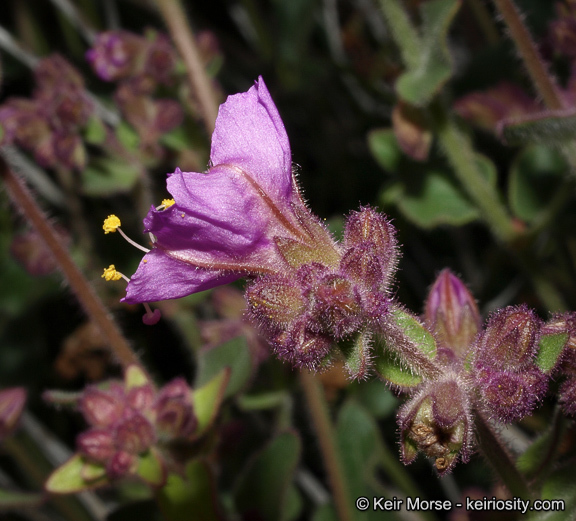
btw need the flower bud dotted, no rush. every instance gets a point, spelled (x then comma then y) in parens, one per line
(12, 403)
(101, 408)
(274, 302)
(451, 313)
(174, 412)
(96, 444)
(134, 434)
(363, 266)
(567, 396)
(510, 396)
(437, 422)
(336, 305)
(120, 464)
(114, 54)
(141, 397)
(370, 227)
(510, 339)
(301, 346)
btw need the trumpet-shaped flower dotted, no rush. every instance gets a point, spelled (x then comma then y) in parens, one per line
(243, 216)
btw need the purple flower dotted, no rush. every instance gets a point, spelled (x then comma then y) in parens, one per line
(243, 216)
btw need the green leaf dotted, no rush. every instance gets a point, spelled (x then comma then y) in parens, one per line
(207, 400)
(135, 377)
(192, 496)
(419, 84)
(69, 477)
(550, 349)
(151, 468)
(389, 367)
(358, 440)
(385, 149)
(438, 201)
(234, 354)
(560, 486)
(540, 457)
(376, 398)
(10, 499)
(535, 177)
(264, 485)
(127, 136)
(415, 331)
(550, 127)
(108, 177)
(95, 131)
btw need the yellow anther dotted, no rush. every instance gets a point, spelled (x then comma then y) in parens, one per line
(110, 273)
(111, 223)
(167, 203)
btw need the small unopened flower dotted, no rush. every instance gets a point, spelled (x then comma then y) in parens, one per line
(452, 314)
(438, 422)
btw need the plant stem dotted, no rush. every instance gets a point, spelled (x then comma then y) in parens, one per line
(405, 34)
(484, 20)
(91, 303)
(179, 28)
(499, 458)
(459, 152)
(543, 81)
(320, 416)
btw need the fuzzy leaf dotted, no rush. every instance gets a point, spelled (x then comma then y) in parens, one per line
(550, 127)
(192, 496)
(263, 487)
(234, 354)
(420, 84)
(415, 331)
(389, 367)
(207, 400)
(534, 178)
(68, 478)
(550, 349)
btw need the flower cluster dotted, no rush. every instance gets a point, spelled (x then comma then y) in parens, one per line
(139, 65)
(491, 371)
(128, 419)
(312, 304)
(245, 217)
(49, 124)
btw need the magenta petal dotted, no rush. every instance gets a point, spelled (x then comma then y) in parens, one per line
(219, 218)
(249, 133)
(160, 277)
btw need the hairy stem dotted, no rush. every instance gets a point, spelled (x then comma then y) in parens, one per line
(179, 28)
(543, 81)
(405, 34)
(497, 455)
(460, 154)
(91, 303)
(320, 417)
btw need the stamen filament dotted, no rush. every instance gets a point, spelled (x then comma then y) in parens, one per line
(135, 244)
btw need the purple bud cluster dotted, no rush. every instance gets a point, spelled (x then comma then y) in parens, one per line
(139, 65)
(492, 370)
(49, 124)
(305, 310)
(509, 381)
(127, 422)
